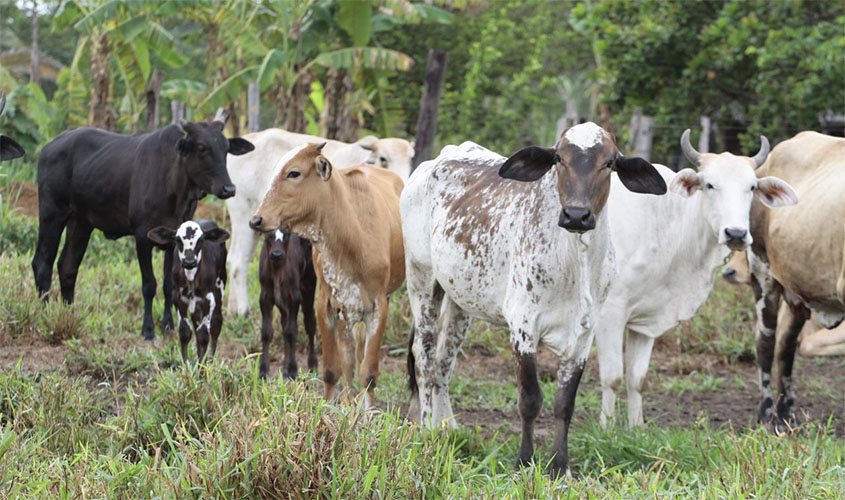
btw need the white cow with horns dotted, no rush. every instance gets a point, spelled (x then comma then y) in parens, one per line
(533, 256)
(668, 250)
(253, 175)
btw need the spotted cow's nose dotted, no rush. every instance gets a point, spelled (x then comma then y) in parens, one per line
(227, 191)
(189, 263)
(577, 219)
(255, 223)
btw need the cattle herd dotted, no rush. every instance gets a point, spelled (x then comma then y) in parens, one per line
(559, 244)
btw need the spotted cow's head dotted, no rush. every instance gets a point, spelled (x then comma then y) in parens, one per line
(727, 184)
(393, 154)
(202, 152)
(584, 157)
(189, 238)
(299, 189)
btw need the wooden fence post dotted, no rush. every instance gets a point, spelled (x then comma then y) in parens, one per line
(704, 139)
(642, 133)
(435, 74)
(569, 120)
(253, 116)
(177, 110)
(153, 98)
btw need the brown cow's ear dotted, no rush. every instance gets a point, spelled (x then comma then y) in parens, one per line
(216, 235)
(774, 192)
(529, 164)
(685, 183)
(324, 168)
(639, 176)
(162, 236)
(238, 146)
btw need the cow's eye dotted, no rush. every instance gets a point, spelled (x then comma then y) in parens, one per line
(710, 186)
(383, 159)
(609, 164)
(293, 174)
(753, 188)
(201, 148)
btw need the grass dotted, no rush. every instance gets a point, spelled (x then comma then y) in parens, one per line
(102, 414)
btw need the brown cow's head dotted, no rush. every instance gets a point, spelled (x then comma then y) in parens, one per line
(584, 158)
(727, 184)
(203, 149)
(300, 185)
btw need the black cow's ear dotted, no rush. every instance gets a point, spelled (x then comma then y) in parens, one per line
(238, 146)
(216, 235)
(162, 236)
(9, 148)
(529, 164)
(639, 176)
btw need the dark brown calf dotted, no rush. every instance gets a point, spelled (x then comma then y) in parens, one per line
(288, 281)
(199, 276)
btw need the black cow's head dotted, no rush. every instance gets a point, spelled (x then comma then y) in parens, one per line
(584, 157)
(9, 149)
(203, 150)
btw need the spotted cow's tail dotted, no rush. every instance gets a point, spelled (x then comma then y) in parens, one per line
(412, 365)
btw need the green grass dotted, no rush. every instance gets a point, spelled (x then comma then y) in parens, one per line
(107, 415)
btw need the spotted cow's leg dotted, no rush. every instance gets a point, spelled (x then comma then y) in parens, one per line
(203, 332)
(454, 326)
(568, 377)
(637, 355)
(425, 297)
(790, 321)
(216, 323)
(767, 293)
(530, 402)
(185, 331)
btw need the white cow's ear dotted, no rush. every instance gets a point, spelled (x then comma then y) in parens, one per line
(774, 192)
(685, 183)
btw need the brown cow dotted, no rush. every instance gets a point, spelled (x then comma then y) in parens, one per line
(797, 255)
(814, 339)
(352, 220)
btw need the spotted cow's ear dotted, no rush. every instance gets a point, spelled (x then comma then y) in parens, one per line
(639, 176)
(161, 236)
(215, 235)
(528, 164)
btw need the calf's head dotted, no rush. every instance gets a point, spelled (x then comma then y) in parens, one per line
(299, 188)
(736, 270)
(277, 242)
(727, 184)
(189, 238)
(202, 152)
(584, 157)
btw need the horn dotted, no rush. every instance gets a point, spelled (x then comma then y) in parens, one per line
(761, 155)
(221, 116)
(692, 155)
(366, 147)
(321, 146)
(181, 124)
(2, 101)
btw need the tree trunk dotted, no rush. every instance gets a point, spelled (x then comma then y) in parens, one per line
(253, 108)
(100, 111)
(435, 74)
(35, 71)
(642, 133)
(293, 106)
(153, 98)
(338, 120)
(177, 110)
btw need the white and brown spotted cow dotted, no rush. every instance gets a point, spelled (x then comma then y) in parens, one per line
(351, 216)
(798, 255)
(254, 173)
(199, 276)
(533, 256)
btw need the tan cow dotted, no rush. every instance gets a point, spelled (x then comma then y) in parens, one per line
(814, 339)
(798, 254)
(352, 218)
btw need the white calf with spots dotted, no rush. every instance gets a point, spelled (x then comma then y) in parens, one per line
(199, 274)
(479, 245)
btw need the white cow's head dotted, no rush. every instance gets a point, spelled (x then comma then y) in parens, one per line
(727, 184)
(393, 154)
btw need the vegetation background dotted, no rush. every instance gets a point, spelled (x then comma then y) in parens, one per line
(88, 410)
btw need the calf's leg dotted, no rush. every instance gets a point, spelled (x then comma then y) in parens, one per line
(185, 333)
(144, 249)
(288, 320)
(568, 377)
(530, 402)
(76, 241)
(216, 324)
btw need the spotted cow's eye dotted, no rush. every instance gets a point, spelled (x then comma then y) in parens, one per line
(293, 174)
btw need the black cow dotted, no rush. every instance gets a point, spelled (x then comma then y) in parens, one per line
(199, 272)
(124, 186)
(288, 281)
(9, 149)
